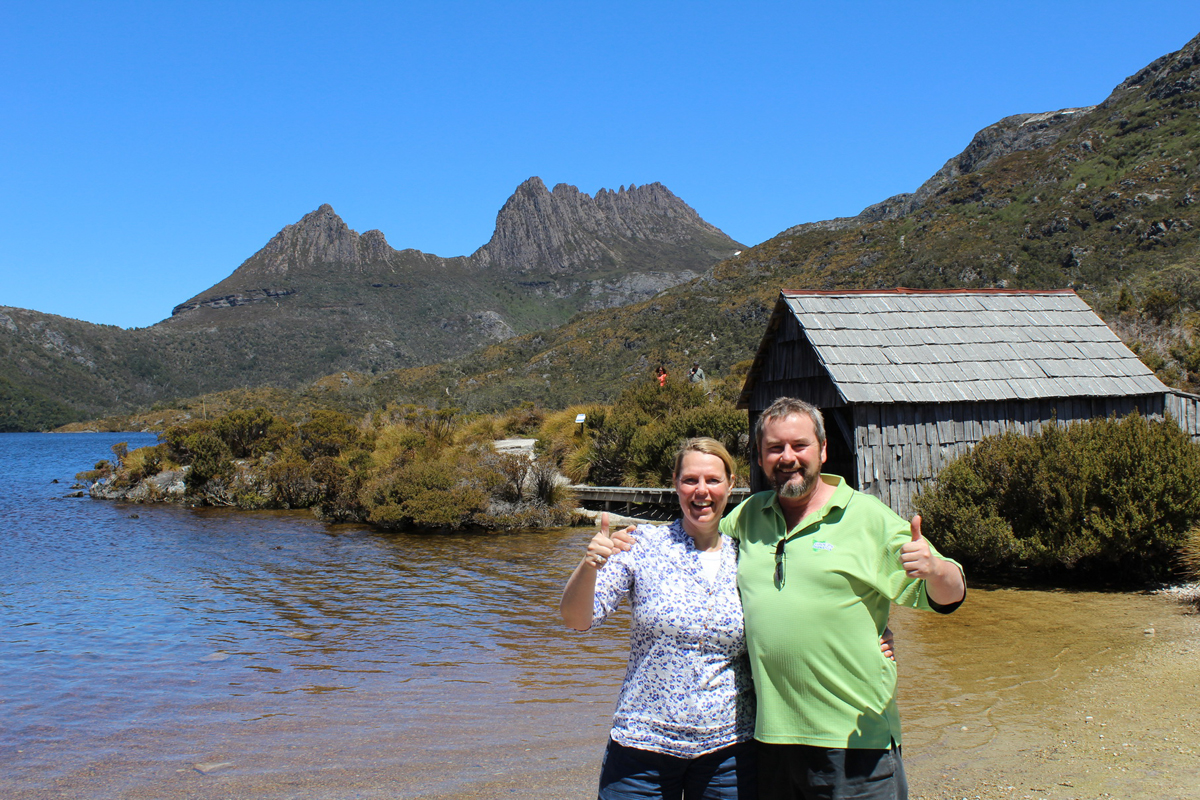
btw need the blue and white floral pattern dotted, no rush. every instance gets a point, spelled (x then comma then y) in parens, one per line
(687, 691)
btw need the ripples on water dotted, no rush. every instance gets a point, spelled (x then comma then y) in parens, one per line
(177, 635)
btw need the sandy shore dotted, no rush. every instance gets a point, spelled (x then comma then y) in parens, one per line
(1126, 728)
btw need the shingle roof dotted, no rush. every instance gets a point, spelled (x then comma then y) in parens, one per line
(948, 346)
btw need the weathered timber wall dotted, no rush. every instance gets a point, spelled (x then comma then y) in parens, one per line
(900, 447)
(1185, 408)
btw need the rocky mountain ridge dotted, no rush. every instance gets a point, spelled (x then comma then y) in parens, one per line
(556, 244)
(566, 231)
(320, 297)
(1013, 134)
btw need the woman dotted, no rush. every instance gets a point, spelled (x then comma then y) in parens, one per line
(685, 716)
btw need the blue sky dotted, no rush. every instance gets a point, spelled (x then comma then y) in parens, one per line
(148, 148)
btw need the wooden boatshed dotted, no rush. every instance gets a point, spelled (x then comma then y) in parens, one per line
(909, 380)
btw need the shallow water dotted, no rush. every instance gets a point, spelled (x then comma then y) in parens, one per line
(166, 652)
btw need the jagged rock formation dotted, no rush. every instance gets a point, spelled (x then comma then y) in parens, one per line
(567, 231)
(321, 237)
(619, 247)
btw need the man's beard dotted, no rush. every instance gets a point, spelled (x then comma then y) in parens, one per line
(791, 490)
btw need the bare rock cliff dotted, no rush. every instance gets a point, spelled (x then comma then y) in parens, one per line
(1167, 77)
(566, 230)
(320, 237)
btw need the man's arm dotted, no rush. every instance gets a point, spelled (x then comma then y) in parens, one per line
(944, 581)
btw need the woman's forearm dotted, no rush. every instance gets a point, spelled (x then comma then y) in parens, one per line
(578, 597)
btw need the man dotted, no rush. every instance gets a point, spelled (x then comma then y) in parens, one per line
(819, 565)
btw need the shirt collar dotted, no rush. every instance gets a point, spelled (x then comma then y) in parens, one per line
(840, 498)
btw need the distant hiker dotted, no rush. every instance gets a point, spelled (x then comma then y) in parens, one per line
(697, 375)
(661, 375)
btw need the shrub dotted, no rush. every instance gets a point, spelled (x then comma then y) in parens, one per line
(176, 436)
(209, 458)
(441, 493)
(523, 420)
(560, 437)
(1109, 499)
(250, 432)
(339, 482)
(328, 433)
(1190, 554)
(144, 462)
(103, 469)
(481, 429)
(289, 474)
(633, 442)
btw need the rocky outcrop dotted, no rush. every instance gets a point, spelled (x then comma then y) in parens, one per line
(231, 300)
(166, 486)
(1167, 77)
(1010, 135)
(320, 237)
(567, 231)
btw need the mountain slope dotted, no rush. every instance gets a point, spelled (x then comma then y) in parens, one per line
(1100, 199)
(319, 297)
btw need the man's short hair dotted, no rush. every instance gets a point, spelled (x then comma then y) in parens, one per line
(785, 407)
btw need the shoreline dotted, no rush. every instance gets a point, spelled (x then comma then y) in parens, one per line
(1123, 727)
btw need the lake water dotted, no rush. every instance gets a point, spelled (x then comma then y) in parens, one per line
(168, 652)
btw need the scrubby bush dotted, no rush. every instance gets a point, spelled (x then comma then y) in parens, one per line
(448, 492)
(289, 474)
(411, 467)
(524, 420)
(328, 433)
(1190, 554)
(633, 441)
(103, 469)
(1110, 500)
(145, 462)
(251, 432)
(209, 457)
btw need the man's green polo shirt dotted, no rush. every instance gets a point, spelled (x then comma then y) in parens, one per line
(820, 677)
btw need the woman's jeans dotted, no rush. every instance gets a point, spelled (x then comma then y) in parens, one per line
(728, 774)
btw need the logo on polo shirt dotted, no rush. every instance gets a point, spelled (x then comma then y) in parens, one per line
(826, 546)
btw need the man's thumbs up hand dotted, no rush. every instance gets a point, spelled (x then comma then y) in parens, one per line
(915, 556)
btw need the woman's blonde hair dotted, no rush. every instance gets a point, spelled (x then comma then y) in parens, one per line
(708, 446)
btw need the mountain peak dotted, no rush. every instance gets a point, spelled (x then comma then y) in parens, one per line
(319, 237)
(566, 230)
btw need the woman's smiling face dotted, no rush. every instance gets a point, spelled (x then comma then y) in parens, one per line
(703, 488)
